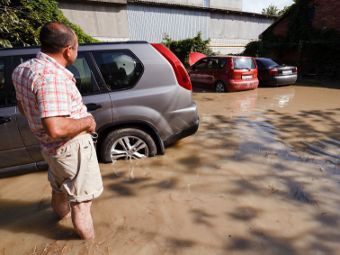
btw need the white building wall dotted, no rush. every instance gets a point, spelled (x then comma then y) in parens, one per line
(153, 23)
(230, 33)
(103, 22)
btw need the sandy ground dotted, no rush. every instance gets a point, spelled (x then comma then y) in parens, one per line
(261, 176)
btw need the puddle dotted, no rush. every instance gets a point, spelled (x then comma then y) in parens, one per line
(262, 168)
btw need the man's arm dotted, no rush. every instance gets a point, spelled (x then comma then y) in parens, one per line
(62, 127)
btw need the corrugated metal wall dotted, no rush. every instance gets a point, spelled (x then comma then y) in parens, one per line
(229, 33)
(152, 23)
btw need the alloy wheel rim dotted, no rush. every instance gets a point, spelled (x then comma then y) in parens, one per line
(129, 147)
(220, 87)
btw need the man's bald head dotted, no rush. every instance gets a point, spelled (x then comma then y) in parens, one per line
(55, 36)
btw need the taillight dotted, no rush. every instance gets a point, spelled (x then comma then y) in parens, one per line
(273, 72)
(295, 70)
(181, 73)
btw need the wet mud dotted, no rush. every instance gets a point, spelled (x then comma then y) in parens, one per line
(261, 176)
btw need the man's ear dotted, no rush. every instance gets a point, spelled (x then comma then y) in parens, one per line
(67, 52)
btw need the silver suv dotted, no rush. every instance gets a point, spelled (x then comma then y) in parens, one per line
(139, 93)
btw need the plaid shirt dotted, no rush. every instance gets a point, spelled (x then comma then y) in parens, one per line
(47, 89)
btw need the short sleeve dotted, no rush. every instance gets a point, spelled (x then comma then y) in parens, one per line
(15, 80)
(52, 96)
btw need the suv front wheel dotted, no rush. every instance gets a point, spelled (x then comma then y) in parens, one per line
(127, 143)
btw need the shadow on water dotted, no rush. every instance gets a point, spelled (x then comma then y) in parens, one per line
(276, 140)
(34, 218)
(124, 185)
(276, 143)
(290, 139)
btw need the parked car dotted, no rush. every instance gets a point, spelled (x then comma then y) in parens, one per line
(223, 73)
(139, 93)
(273, 74)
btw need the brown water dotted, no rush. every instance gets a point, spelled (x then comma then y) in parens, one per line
(261, 176)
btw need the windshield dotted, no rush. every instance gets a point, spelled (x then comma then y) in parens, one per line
(243, 63)
(267, 62)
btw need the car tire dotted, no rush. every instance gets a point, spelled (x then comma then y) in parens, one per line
(127, 143)
(220, 87)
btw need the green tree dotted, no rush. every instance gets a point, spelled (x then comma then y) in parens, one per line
(271, 10)
(182, 48)
(284, 10)
(21, 21)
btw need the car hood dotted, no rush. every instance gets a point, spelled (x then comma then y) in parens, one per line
(195, 56)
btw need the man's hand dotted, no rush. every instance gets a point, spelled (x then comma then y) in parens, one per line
(62, 127)
(92, 124)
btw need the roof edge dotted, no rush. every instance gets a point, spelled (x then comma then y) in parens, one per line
(116, 2)
(187, 7)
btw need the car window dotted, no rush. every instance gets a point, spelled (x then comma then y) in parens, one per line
(26, 57)
(213, 64)
(120, 69)
(267, 62)
(83, 75)
(202, 64)
(2, 74)
(80, 69)
(7, 93)
(243, 63)
(260, 65)
(222, 62)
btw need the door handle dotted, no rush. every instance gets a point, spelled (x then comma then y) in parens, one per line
(91, 107)
(4, 119)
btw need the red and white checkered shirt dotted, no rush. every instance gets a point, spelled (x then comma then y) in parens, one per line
(47, 89)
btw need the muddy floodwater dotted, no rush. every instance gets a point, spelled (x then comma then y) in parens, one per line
(261, 176)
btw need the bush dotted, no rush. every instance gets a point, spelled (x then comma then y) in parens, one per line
(182, 48)
(21, 21)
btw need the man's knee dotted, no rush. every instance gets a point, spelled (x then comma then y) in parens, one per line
(60, 204)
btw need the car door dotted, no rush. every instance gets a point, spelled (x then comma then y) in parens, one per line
(92, 88)
(213, 72)
(12, 149)
(120, 71)
(198, 72)
(30, 141)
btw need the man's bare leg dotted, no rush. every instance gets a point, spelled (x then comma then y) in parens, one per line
(82, 219)
(60, 205)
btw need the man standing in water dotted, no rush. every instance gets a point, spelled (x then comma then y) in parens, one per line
(47, 95)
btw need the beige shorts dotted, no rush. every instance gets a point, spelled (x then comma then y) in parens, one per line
(74, 169)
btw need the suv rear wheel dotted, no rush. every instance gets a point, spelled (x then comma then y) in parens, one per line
(220, 87)
(127, 143)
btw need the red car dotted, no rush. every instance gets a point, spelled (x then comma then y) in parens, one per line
(223, 73)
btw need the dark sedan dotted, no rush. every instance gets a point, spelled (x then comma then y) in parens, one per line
(271, 73)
